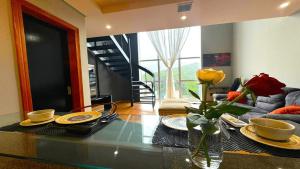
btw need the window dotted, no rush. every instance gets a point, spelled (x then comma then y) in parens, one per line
(183, 69)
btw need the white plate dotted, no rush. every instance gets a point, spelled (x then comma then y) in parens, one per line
(175, 121)
(292, 144)
(28, 122)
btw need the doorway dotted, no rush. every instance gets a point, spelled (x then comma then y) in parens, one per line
(73, 75)
(48, 64)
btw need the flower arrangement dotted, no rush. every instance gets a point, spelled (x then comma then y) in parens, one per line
(208, 112)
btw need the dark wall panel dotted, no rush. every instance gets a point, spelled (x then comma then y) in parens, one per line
(48, 64)
(111, 83)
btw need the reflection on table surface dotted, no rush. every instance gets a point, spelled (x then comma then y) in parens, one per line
(123, 144)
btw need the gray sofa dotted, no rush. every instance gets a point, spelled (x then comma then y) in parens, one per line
(264, 105)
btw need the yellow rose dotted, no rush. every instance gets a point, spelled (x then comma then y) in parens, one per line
(210, 75)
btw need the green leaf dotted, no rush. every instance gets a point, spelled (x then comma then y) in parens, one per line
(194, 120)
(213, 113)
(194, 94)
(217, 111)
(209, 128)
(202, 107)
(232, 109)
(192, 110)
(214, 103)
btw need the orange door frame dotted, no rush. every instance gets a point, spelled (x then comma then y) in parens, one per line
(18, 8)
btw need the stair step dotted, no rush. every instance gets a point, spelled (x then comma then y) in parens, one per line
(102, 43)
(147, 96)
(119, 69)
(112, 60)
(137, 85)
(118, 65)
(95, 39)
(145, 102)
(115, 54)
(139, 89)
(107, 59)
(140, 82)
(103, 47)
(141, 99)
(107, 51)
(137, 82)
(145, 92)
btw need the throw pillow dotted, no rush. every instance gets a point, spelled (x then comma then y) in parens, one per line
(292, 109)
(269, 99)
(231, 95)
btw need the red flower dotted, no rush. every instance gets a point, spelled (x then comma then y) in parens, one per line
(264, 85)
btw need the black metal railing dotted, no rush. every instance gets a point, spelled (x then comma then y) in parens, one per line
(148, 83)
(123, 41)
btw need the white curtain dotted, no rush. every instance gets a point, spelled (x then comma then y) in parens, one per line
(168, 45)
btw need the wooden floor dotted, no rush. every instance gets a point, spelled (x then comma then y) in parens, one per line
(136, 109)
(124, 109)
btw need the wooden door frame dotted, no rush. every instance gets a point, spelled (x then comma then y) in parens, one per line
(18, 8)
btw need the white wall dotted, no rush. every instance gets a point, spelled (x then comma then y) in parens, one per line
(269, 45)
(218, 39)
(10, 103)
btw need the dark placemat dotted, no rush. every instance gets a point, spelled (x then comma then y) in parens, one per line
(54, 129)
(168, 137)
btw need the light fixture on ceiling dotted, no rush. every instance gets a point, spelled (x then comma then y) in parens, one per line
(183, 8)
(183, 17)
(284, 5)
(108, 27)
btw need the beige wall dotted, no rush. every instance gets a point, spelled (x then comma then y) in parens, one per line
(9, 87)
(9, 90)
(271, 46)
(218, 39)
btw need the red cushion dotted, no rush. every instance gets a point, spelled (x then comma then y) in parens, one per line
(292, 109)
(231, 95)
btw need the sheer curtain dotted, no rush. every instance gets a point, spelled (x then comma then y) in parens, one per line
(168, 45)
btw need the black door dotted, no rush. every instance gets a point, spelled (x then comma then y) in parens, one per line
(48, 64)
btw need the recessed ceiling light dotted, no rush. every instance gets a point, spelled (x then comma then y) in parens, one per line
(108, 27)
(284, 5)
(183, 17)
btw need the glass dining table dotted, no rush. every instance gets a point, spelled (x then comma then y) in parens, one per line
(125, 143)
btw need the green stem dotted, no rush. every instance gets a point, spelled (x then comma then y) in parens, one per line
(203, 137)
(205, 147)
(204, 96)
(253, 97)
(203, 144)
(242, 95)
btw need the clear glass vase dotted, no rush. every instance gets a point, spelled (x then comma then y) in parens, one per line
(214, 144)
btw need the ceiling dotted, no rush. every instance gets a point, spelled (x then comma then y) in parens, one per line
(147, 16)
(108, 6)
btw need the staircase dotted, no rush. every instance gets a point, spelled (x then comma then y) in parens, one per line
(144, 91)
(114, 51)
(110, 51)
